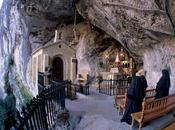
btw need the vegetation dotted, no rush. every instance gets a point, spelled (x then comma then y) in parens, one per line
(26, 95)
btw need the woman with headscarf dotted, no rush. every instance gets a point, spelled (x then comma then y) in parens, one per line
(134, 99)
(162, 88)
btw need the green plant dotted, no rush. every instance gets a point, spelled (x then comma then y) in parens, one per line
(25, 94)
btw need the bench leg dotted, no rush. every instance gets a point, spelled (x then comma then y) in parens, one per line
(132, 123)
(123, 111)
(120, 110)
(140, 126)
(120, 113)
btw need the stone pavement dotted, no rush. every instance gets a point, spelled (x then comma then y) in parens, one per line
(98, 113)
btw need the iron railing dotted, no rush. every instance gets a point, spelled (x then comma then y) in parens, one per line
(108, 87)
(40, 113)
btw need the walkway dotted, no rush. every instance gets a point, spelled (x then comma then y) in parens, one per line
(98, 113)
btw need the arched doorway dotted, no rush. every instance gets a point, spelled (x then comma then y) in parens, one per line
(58, 68)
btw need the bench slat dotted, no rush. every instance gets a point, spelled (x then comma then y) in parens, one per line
(121, 105)
(152, 109)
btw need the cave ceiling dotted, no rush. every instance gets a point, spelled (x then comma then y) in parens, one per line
(44, 16)
(135, 24)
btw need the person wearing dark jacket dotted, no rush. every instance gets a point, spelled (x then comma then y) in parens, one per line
(144, 85)
(135, 98)
(162, 88)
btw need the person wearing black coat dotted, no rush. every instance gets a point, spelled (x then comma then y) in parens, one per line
(162, 88)
(135, 98)
(144, 85)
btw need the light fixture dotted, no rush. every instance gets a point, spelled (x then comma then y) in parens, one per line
(117, 58)
(56, 35)
(75, 37)
(121, 53)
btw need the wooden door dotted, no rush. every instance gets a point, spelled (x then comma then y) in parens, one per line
(58, 68)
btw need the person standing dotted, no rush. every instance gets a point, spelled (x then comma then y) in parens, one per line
(162, 88)
(144, 85)
(135, 98)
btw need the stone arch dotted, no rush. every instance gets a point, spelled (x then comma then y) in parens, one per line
(59, 67)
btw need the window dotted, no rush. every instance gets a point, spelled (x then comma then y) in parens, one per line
(60, 35)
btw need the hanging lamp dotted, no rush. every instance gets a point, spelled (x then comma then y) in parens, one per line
(75, 38)
(117, 58)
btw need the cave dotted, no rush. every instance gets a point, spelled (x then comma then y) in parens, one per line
(84, 43)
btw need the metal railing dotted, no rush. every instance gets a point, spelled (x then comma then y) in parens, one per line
(40, 113)
(108, 87)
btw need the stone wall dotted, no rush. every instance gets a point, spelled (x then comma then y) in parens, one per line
(161, 56)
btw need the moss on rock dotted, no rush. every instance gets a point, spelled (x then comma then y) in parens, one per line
(26, 95)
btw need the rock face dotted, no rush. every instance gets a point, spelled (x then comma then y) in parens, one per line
(92, 44)
(144, 28)
(25, 26)
(88, 54)
(15, 50)
(44, 16)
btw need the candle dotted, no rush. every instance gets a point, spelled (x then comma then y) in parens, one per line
(56, 35)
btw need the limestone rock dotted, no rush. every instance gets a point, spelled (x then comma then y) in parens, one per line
(144, 28)
(25, 26)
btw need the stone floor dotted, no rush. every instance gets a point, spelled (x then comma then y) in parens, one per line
(98, 113)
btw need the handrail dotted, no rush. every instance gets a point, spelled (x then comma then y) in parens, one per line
(109, 87)
(40, 112)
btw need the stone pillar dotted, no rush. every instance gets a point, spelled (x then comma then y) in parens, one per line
(45, 61)
(34, 70)
(45, 64)
(73, 69)
(56, 35)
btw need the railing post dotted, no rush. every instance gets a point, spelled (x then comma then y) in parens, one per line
(99, 82)
(70, 82)
(67, 88)
(107, 86)
(110, 86)
(44, 111)
(63, 95)
(87, 89)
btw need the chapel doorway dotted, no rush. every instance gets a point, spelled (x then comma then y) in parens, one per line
(58, 68)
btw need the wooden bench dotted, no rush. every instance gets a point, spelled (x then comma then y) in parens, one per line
(152, 109)
(121, 100)
(170, 127)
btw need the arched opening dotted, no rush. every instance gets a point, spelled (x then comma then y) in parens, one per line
(60, 36)
(58, 68)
